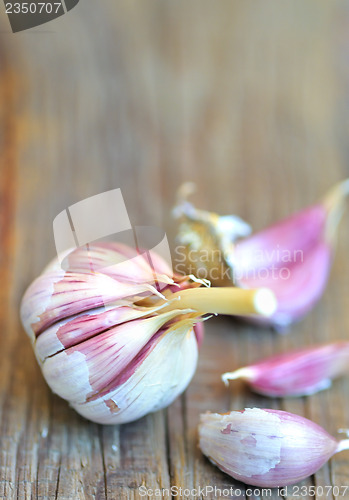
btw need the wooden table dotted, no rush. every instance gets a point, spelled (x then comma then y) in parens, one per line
(249, 100)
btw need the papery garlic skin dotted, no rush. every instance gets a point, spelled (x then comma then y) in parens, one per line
(263, 447)
(159, 374)
(101, 275)
(117, 334)
(292, 257)
(296, 373)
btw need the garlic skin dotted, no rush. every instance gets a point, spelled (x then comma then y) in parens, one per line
(117, 335)
(263, 447)
(292, 257)
(296, 373)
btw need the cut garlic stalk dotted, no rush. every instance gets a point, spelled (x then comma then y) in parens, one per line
(218, 301)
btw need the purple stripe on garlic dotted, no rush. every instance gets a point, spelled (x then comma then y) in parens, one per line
(159, 373)
(263, 447)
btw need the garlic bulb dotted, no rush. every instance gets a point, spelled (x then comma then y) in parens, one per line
(295, 373)
(265, 447)
(292, 257)
(117, 334)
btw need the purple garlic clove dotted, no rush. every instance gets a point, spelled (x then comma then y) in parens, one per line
(295, 373)
(292, 257)
(265, 447)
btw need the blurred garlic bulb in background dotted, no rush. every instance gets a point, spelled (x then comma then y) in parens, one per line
(117, 334)
(292, 257)
(265, 447)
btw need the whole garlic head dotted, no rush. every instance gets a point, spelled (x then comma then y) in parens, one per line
(116, 333)
(101, 336)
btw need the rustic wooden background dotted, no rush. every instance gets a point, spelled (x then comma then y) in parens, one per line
(249, 100)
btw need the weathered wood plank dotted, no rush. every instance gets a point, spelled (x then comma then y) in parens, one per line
(250, 102)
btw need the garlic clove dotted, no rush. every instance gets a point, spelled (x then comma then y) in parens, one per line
(282, 241)
(295, 373)
(115, 260)
(73, 330)
(57, 295)
(148, 383)
(79, 372)
(292, 257)
(263, 447)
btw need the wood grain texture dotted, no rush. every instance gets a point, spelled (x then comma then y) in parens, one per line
(247, 99)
